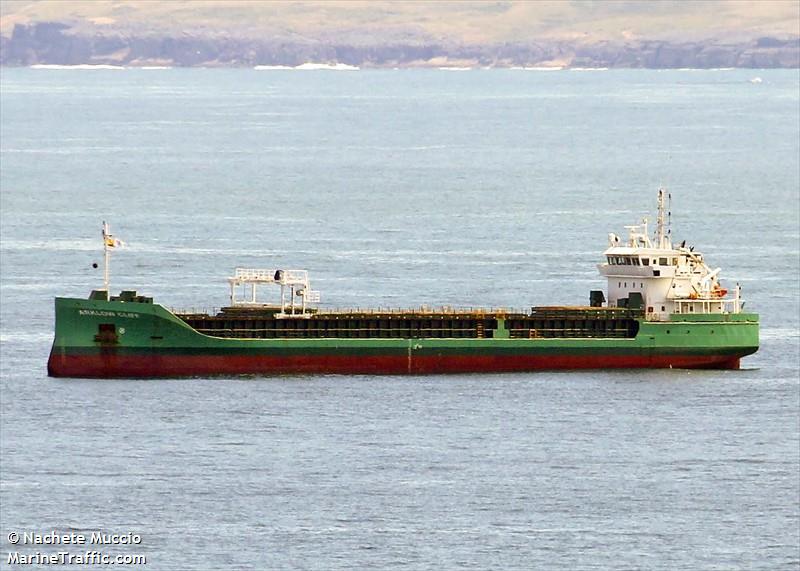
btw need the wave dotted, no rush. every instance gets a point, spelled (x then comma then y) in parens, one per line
(698, 69)
(66, 150)
(96, 66)
(779, 333)
(328, 66)
(309, 66)
(26, 337)
(539, 68)
(455, 68)
(78, 66)
(588, 69)
(52, 245)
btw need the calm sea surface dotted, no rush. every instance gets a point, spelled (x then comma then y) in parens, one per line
(400, 188)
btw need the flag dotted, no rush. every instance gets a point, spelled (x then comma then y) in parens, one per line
(108, 239)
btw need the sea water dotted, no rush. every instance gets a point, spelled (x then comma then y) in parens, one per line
(398, 188)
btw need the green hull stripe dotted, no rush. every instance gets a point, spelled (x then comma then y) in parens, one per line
(150, 329)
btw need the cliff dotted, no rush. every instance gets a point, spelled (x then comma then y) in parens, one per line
(666, 34)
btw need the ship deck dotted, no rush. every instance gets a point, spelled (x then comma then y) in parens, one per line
(265, 322)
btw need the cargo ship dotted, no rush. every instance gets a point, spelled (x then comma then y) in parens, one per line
(664, 307)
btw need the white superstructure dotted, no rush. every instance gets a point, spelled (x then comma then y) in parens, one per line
(668, 279)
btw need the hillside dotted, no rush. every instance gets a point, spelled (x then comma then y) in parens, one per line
(710, 33)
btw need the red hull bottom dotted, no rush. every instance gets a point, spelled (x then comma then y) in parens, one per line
(154, 366)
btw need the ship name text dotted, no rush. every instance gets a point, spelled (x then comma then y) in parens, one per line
(104, 313)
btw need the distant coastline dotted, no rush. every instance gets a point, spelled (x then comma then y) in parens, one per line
(56, 44)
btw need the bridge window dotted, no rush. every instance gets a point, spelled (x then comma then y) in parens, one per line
(645, 261)
(662, 261)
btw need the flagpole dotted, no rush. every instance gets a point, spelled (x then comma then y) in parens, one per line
(106, 255)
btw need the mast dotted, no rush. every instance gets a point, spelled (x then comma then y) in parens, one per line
(109, 243)
(662, 224)
(106, 255)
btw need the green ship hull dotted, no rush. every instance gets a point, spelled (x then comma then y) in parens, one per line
(106, 339)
